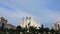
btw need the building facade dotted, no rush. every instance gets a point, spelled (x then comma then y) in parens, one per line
(4, 23)
(57, 26)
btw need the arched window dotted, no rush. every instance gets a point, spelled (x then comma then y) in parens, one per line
(3, 25)
(58, 26)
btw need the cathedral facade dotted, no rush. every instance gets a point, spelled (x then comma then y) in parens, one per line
(30, 21)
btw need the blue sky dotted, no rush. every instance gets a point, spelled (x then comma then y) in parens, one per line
(47, 12)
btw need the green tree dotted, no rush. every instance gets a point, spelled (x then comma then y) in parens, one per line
(41, 29)
(32, 30)
(52, 31)
(24, 30)
(11, 31)
(56, 31)
(47, 30)
(18, 30)
(37, 31)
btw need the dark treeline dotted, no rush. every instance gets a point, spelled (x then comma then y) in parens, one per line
(30, 30)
